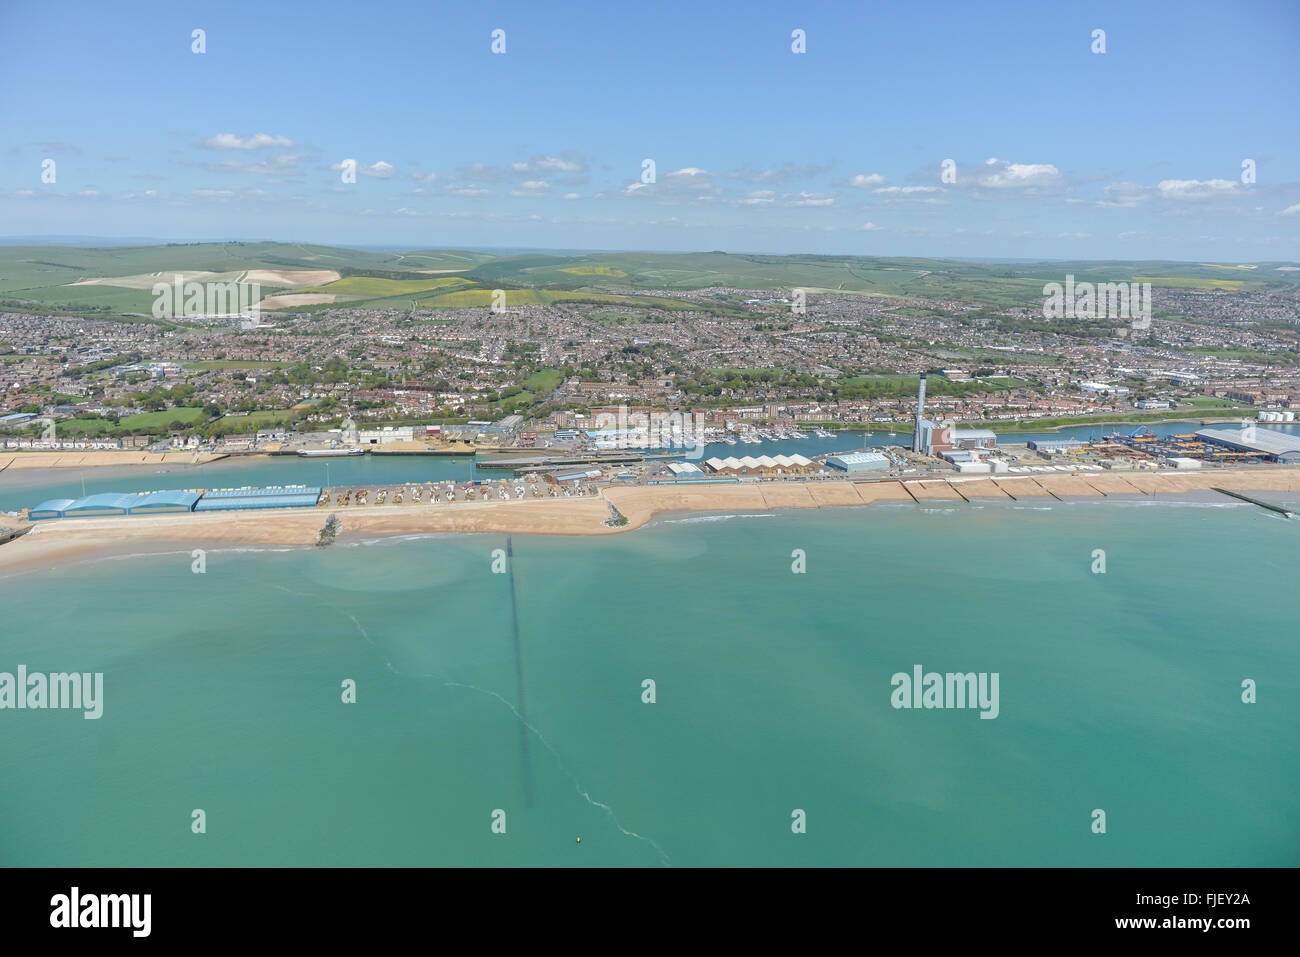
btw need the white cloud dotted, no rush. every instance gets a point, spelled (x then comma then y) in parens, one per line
(1123, 195)
(572, 196)
(233, 141)
(811, 199)
(277, 164)
(1291, 211)
(1196, 188)
(786, 171)
(378, 170)
(468, 191)
(1020, 175)
(906, 190)
(862, 181)
(551, 164)
(532, 187)
(872, 227)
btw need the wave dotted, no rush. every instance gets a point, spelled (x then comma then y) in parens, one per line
(701, 519)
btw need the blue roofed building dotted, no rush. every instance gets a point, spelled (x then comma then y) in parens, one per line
(157, 503)
(54, 508)
(242, 499)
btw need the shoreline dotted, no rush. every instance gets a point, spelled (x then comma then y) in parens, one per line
(59, 541)
(18, 461)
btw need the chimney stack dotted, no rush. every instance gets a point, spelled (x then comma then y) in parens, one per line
(920, 414)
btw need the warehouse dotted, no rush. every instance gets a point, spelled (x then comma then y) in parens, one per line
(858, 461)
(105, 503)
(231, 499)
(567, 477)
(159, 503)
(762, 465)
(1275, 446)
(684, 469)
(54, 508)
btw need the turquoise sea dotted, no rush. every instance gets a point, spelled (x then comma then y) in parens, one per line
(522, 692)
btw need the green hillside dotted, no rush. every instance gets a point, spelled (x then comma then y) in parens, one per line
(54, 278)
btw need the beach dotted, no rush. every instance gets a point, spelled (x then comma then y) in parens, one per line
(60, 540)
(99, 459)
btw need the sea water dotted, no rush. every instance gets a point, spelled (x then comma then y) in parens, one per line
(516, 700)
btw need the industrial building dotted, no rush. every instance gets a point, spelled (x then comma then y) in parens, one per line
(385, 435)
(241, 499)
(162, 503)
(1055, 446)
(54, 508)
(564, 478)
(858, 461)
(762, 465)
(684, 469)
(104, 503)
(116, 503)
(973, 439)
(1270, 444)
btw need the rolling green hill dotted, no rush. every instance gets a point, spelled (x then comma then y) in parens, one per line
(118, 280)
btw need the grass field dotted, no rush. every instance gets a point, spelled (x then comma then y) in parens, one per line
(252, 421)
(543, 380)
(1190, 282)
(140, 422)
(594, 271)
(369, 287)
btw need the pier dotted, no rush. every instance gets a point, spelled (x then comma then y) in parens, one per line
(1254, 501)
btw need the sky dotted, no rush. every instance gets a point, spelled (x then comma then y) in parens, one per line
(1180, 141)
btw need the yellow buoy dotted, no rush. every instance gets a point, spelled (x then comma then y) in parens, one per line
(579, 840)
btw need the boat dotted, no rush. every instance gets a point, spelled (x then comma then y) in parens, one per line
(321, 453)
(729, 440)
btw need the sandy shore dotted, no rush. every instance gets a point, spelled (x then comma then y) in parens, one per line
(66, 539)
(84, 460)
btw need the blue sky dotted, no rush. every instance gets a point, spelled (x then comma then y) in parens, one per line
(1059, 152)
